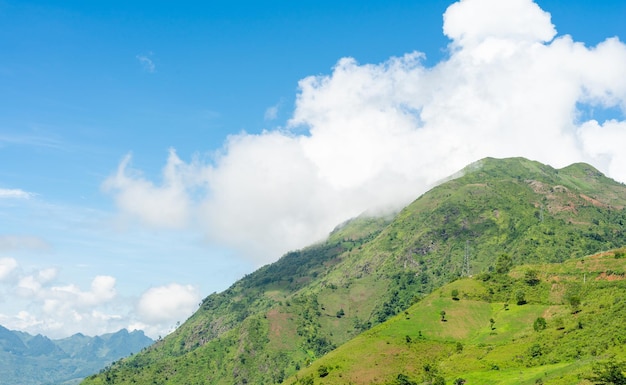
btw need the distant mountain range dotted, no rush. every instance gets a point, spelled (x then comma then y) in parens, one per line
(37, 360)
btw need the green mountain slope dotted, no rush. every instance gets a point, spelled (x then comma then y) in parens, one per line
(276, 321)
(570, 322)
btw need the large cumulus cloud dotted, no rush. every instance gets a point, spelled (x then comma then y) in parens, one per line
(375, 136)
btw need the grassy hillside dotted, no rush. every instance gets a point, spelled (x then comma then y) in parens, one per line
(487, 336)
(278, 320)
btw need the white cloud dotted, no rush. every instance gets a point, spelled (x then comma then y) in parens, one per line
(159, 308)
(372, 136)
(16, 242)
(167, 205)
(265, 179)
(606, 143)
(147, 63)
(15, 193)
(58, 310)
(271, 113)
(92, 293)
(102, 291)
(47, 275)
(470, 22)
(28, 286)
(7, 266)
(23, 320)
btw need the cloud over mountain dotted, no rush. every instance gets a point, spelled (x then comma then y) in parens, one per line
(375, 136)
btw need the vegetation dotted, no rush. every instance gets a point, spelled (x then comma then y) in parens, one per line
(284, 320)
(529, 347)
(609, 372)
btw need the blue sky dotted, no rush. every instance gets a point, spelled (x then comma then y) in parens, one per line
(153, 152)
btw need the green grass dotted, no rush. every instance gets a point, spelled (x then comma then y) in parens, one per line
(518, 376)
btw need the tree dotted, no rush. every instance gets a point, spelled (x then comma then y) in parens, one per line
(443, 315)
(431, 375)
(539, 324)
(340, 313)
(403, 380)
(520, 297)
(492, 322)
(455, 294)
(459, 381)
(322, 371)
(504, 263)
(531, 277)
(535, 350)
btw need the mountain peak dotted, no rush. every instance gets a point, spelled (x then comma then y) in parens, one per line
(508, 167)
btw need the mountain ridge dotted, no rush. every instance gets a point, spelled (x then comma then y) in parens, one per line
(36, 359)
(280, 318)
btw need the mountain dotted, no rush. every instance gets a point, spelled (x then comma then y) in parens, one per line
(275, 322)
(26, 359)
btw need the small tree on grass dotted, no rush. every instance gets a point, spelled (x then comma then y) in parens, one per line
(491, 323)
(455, 294)
(539, 324)
(432, 376)
(535, 350)
(531, 277)
(403, 379)
(443, 315)
(520, 297)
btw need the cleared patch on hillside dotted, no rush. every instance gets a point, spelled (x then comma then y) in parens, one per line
(282, 331)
